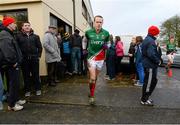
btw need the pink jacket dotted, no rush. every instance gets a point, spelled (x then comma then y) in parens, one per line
(119, 48)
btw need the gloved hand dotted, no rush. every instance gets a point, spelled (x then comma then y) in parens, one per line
(85, 52)
(105, 46)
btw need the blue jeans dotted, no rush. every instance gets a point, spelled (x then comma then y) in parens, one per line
(140, 70)
(1, 88)
(76, 59)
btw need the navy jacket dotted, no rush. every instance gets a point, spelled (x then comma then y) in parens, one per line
(150, 55)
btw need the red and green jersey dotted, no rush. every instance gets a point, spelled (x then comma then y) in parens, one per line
(95, 43)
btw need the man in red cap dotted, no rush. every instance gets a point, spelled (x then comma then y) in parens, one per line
(10, 58)
(150, 60)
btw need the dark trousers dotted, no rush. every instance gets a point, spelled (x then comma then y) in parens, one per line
(52, 72)
(13, 74)
(67, 60)
(132, 65)
(118, 64)
(110, 63)
(31, 67)
(150, 82)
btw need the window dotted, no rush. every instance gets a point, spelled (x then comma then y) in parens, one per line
(53, 21)
(20, 16)
(86, 14)
(84, 11)
(60, 24)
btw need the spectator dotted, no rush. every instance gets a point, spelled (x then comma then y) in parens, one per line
(76, 43)
(150, 60)
(31, 49)
(52, 54)
(10, 58)
(66, 52)
(138, 61)
(131, 58)
(59, 40)
(119, 53)
(110, 60)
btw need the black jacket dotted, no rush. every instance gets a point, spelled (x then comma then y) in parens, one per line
(150, 54)
(30, 45)
(76, 40)
(132, 48)
(10, 53)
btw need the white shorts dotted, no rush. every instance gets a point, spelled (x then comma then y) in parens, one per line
(96, 64)
(170, 57)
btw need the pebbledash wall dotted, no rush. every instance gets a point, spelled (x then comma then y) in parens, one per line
(65, 14)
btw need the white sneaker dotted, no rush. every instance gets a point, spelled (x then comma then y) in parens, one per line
(15, 108)
(21, 102)
(38, 93)
(1, 106)
(27, 94)
(69, 73)
(138, 84)
(107, 78)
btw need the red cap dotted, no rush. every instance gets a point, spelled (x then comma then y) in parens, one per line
(153, 30)
(8, 20)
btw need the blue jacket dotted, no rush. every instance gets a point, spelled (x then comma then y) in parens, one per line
(150, 55)
(138, 54)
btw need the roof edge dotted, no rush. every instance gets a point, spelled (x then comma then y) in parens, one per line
(19, 2)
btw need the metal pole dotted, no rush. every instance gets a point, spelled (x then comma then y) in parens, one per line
(74, 14)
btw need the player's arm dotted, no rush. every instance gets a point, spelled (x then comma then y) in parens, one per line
(84, 42)
(84, 45)
(107, 43)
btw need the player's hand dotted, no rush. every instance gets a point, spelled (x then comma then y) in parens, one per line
(85, 52)
(105, 46)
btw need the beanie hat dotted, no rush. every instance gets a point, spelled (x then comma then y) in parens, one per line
(153, 30)
(77, 31)
(8, 20)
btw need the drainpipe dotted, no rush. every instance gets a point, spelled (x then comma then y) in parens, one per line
(74, 14)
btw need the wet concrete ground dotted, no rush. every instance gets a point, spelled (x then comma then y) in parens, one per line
(118, 101)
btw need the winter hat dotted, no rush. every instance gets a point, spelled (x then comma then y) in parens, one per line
(8, 20)
(153, 30)
(53, 26)
(66, 35)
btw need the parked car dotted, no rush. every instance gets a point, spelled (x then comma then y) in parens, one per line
(126, 39)
(176, 58)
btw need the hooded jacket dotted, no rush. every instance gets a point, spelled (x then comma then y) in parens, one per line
(10, 53)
